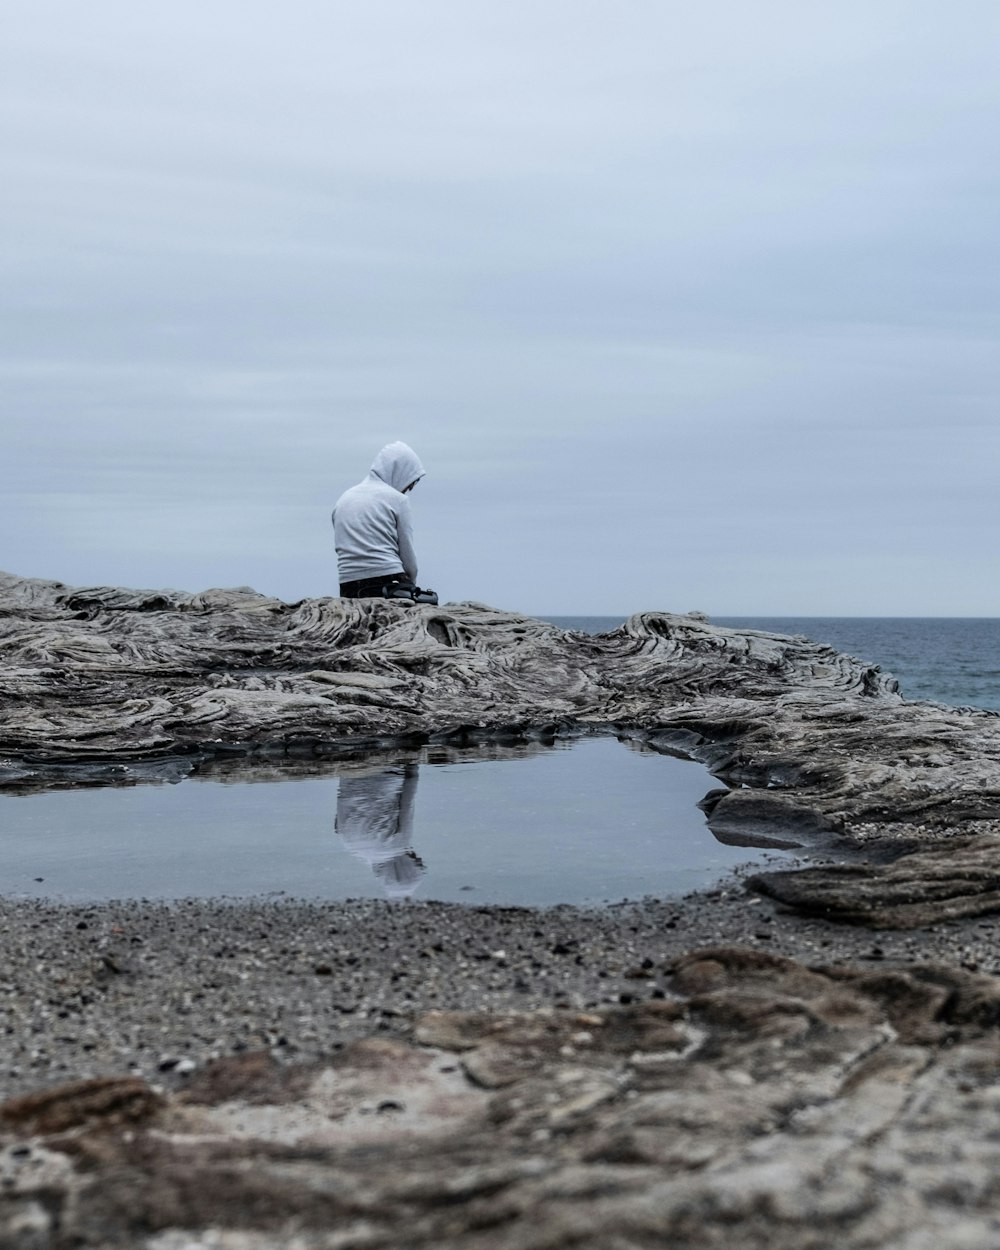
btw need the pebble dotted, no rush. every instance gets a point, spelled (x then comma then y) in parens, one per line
(181, 1002)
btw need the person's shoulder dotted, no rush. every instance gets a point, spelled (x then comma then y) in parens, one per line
(373, 493)
(358, 490)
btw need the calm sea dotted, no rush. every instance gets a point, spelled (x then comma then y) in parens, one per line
(946, 659)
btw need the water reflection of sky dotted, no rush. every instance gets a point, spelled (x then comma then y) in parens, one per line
(586, 822)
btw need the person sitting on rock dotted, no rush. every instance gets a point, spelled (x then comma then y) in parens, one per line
(372, 528)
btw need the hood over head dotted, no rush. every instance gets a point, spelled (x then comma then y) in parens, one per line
(398, 465)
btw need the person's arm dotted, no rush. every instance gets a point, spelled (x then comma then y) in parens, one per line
(404, 536)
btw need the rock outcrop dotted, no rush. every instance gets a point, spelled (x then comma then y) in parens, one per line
(767, 1105)
(815, 748)
(749, 1100)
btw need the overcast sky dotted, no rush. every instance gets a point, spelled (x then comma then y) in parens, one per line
(682, 305)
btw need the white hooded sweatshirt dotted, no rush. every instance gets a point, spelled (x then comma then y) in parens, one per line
(372, 527)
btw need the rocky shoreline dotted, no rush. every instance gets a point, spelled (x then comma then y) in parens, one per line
(803, 1058)
(139, 988)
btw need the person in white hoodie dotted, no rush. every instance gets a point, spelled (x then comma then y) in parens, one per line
(372, 526)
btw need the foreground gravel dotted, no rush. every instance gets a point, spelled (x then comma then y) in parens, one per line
(160, 989)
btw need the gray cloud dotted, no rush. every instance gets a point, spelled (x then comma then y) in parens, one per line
(681, 305)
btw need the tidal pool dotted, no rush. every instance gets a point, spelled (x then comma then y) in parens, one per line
(586, 821)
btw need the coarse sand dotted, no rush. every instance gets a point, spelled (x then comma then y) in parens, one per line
(160, 989)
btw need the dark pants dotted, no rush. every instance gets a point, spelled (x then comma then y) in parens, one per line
(370, 587)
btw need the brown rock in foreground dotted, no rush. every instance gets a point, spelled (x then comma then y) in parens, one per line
(771, 1105)
(947, 880)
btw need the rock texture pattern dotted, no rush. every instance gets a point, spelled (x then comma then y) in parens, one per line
(128, 677)
(815, 748)
(726, 1095)
(767, 1105)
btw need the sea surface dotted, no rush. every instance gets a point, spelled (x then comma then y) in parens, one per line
(953, 660)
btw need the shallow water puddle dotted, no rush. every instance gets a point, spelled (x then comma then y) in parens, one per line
(587, 822)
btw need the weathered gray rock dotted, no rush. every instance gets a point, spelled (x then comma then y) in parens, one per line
(764, 1103)
(771, 1105)
(815, 748)
(114, 676)
(944, 881)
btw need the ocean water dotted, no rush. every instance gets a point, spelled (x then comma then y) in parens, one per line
(953, 660)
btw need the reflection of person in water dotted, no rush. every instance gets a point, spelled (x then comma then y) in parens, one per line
(375, 821)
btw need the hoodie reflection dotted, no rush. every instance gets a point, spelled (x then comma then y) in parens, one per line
(375, 823)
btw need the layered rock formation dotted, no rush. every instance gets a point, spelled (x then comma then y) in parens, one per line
(727, 1097)
(815, 748)
(767, 1105)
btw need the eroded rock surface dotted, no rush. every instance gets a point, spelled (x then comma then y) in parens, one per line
(722, 1096)
(945, 881)
(109, 675)
(767, 1105)
(815, 748)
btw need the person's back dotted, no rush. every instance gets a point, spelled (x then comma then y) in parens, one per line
(372, 525)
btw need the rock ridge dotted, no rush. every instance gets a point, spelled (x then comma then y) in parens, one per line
(105, 685)
(608, 1081)
(765, 1104)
